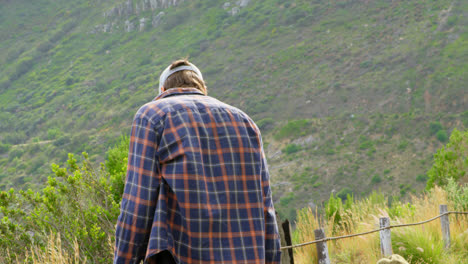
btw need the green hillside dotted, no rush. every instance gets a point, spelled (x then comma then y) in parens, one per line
(351, 96)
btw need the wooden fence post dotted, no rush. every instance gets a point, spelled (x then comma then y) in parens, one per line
(287, 236)
(322, 249)
(444, 222)
(385, 237)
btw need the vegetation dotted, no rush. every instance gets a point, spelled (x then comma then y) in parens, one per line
(76, 211)
(294, 128)
(417, 244)
(450, 161)
(357, 95)
(340, 83)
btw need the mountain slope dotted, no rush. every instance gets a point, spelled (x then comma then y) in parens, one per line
(365, 79)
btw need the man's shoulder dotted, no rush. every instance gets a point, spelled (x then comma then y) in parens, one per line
(158, 109)
(150, 111)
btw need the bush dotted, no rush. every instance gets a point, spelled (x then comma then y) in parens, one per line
(403, 145)
(291, 148)
(4, 148)
(435, 127)
(53, 133)
(442, 136)
(117, 158)
(376, 179)
(344, 193)
(293, 128)
(265, 123)
(421, 178)
(77, 203)
(450, 161)
(365, 143)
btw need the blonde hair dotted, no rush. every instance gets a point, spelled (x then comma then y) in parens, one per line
(184, 78)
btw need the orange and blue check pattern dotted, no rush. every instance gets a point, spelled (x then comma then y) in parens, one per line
(197, 185)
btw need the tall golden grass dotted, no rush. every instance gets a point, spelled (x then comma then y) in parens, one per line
(55, 253)
(418, 244)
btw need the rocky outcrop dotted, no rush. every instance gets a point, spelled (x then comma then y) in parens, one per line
(120, 15)
(234, 8)
(157, 19)
(129, 26)
(142, 23)
(130, 7)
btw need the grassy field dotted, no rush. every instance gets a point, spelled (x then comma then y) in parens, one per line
(417, 244)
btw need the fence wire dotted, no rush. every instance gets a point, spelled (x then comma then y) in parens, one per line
(370, 232)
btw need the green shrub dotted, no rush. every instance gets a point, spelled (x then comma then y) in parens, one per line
(442, 136)
(293, 128)
(116, 166)
(450, 161)
(376, 179)
(4, 148)
(265, 123)
(344, 193)
(404, 188)
(403, 145)
(291, 148)
(421, 178)
(317, 184)
(435, 127)
(365, 143)
(287, 199)
(53, 133)
(77, 202)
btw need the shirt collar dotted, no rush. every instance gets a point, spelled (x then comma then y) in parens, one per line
(178, 91)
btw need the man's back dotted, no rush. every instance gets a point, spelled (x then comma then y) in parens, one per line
(197, 184)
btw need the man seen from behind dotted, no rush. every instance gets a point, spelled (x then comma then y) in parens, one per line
(197, 186)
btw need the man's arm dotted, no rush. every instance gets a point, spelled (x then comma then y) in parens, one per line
(272, 238)
(139, 198)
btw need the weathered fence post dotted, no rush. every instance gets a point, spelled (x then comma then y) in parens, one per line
(322, 249)
(444, 222)
(385, 237)
(287, 236)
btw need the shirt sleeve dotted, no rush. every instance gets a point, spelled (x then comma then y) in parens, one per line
(140, 193)
(272, 238)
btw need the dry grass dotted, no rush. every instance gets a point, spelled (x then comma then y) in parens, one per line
(418, 244)
(55, 253)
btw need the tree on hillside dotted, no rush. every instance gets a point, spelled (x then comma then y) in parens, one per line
(450, 161)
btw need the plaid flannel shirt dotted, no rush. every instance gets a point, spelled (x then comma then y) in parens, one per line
(197, 185)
